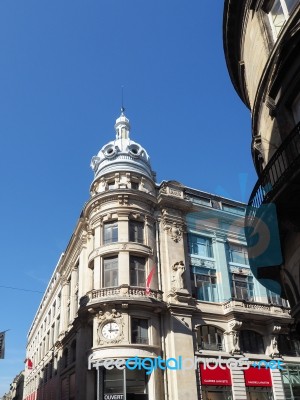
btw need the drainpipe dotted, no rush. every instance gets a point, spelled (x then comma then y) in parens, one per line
(162, 328)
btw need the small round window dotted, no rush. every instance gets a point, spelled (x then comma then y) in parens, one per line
(110, 152)
(134, 151)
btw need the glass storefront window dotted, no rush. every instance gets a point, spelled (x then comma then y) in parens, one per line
(259, 393)
(216, 393)
(136, 383)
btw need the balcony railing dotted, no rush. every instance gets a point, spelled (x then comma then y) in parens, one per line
(125, 291)
(280, 167)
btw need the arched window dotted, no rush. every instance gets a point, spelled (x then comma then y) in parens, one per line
(251, 342)
(209, 338)
(288, 346)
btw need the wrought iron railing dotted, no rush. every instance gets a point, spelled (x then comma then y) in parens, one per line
(280, 167)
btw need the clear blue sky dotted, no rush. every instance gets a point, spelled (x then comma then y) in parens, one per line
(62, 65)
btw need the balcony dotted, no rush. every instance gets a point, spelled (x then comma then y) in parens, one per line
(279, 170)
(123, 292)
(279, 184)
(237, 305)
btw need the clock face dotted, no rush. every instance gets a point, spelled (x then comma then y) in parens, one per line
(110, 330)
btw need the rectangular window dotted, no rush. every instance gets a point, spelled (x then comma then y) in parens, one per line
(206, 287)
(200, 246)
(110, 232)
(139, 330)
(110, 271)
(238, 254)
(136, 231)
(137, 271)
(233, 209)
(242, 287)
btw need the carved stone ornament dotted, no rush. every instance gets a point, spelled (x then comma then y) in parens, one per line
(236, 342)
(114, 322)
(275, 351)
(175, 231)
(178, 276)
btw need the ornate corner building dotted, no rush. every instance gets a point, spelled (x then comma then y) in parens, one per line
(156, 272)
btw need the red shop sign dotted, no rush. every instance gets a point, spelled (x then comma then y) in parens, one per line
(258, 377)
(215, 377)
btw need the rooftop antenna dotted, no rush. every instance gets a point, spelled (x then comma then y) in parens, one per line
(122, 108)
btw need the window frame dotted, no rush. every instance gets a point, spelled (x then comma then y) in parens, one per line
(207, 245)
(110, 234)
(238, 252)
(138, 281)
(115, 268)
(214, 335)
(236, 281)
(249, 338)
(136, 236)
(207, 287)
(140, 330)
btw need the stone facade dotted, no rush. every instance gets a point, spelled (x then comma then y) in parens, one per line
(262, 47)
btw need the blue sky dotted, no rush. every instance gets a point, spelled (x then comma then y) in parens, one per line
(62, 66)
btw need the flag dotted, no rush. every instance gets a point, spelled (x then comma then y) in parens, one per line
(2, 344)
(29, 363)
(149, 279)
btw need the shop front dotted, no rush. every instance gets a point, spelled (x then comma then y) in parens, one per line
(258, 384)
(215, 383)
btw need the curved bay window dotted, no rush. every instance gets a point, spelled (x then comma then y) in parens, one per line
(137, 271)
(209, 338)
(110, 232)
(251, 342)
(136, 231)
(110, 271)
(288, 346)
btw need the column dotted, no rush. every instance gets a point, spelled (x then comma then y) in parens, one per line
(73, 293)
(123, 268)
(123, 228)
(97, 273)
(64, 305)
(223, 277)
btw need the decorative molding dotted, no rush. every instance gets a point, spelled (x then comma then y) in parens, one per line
(106, 317)
(175, 231)
(201, 262)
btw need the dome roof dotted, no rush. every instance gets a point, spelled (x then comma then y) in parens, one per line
(122, 154)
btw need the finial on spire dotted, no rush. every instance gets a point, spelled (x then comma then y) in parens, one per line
(122, 107)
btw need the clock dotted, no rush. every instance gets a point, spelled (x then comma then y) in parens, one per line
(110, 330)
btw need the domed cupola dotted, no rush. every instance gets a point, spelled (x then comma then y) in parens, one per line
(122, 154)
